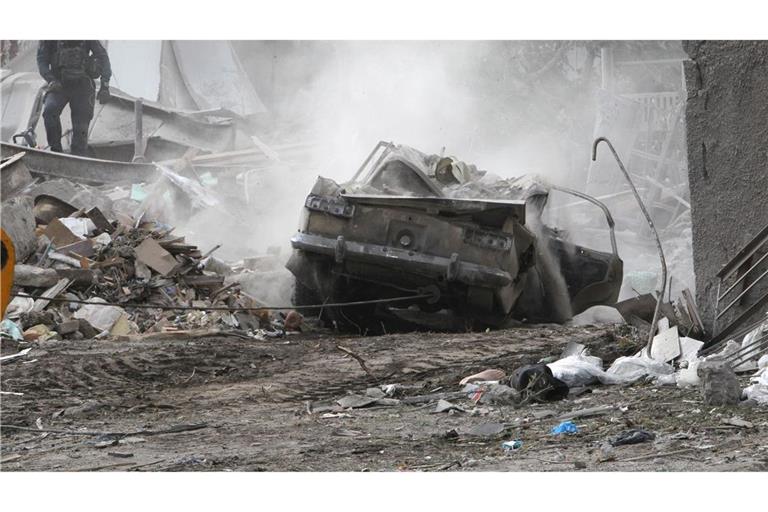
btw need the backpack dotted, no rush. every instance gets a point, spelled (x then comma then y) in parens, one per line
(74, 62)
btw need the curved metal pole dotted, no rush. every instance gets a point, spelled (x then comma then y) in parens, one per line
(660, 293)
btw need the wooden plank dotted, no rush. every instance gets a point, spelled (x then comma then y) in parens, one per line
(60, 234)
(50, 293)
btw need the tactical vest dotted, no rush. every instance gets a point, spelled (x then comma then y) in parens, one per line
(73, 61)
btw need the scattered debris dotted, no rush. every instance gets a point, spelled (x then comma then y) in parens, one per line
(738, 422)
(719, 385)
(485, 375)
(537, 382)
(634, 436)
(566, 427)
(486, 430)
(11, 357)
(446, 406)
(666, 345)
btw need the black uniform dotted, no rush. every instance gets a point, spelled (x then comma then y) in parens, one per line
(70, 68)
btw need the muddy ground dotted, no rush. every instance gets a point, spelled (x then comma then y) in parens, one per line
(258, 407)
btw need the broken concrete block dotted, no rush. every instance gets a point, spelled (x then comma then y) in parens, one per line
(142, 271)
(18, 222)
(446, 406)
(35, 277)
(155, 257)
(87, 329)
(500, 394)
(15, 176)
(102, 318)
(102, 239)
(80, 277)
(122, 326)
(68, 327)
(217, 266)
(36, 332)
(61, 189)
(719, 385)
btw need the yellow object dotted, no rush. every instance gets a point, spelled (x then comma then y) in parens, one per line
(6, 278)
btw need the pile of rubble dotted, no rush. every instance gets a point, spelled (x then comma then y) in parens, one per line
(146, 278)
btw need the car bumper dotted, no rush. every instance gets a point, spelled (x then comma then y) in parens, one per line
(402, 260)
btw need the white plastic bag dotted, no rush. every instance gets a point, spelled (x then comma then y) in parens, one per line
(759, 390)
(689, 377)
(637, 367)
(581, 370)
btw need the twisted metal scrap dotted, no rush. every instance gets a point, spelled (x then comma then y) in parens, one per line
(660, 292)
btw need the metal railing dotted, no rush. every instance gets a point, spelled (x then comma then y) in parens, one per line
(743, 274)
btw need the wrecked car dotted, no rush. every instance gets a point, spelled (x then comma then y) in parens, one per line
(415, 238)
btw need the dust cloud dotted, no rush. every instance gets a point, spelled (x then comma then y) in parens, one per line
(509, 107)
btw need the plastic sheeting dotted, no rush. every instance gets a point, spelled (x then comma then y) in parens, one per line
(582, 370)
(640, 366)
(215, 77)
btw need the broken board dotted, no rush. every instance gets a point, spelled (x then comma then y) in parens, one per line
(666, 345)
(155, 257)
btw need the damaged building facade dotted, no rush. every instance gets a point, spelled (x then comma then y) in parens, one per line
(727, 137)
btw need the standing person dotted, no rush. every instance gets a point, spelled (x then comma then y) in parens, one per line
(70, 68)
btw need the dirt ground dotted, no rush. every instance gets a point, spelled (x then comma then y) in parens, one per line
(257, 406)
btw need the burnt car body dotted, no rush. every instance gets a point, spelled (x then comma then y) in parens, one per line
(468, 263)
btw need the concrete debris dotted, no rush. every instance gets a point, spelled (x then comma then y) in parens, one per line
(634, 436)
(719, 385)
(37, 333)
(15, 176)
(499, 394)
(18, 222)
(446, 406)
(70, 244)
(99, 317)
(34, 277)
